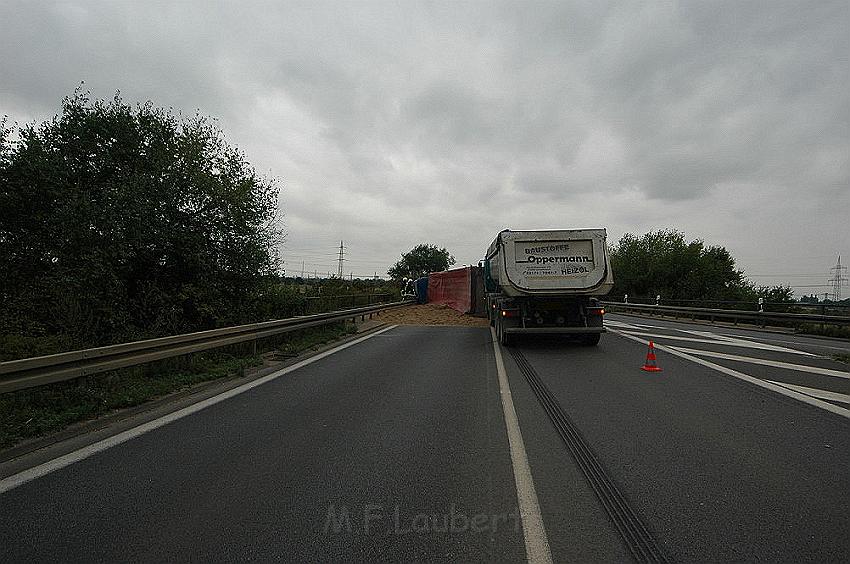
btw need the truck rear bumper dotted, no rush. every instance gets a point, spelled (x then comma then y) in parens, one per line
(555, 330)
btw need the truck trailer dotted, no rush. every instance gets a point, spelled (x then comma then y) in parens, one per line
(547, 282)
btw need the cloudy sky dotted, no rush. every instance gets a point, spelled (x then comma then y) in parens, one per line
(388, 124)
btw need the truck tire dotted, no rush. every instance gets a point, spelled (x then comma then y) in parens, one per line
(590, 339)
(491, 312)
(505, 338)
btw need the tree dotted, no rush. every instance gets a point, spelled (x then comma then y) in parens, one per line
(776, 294)
(421, 260)
(663, 263)
(123, 221)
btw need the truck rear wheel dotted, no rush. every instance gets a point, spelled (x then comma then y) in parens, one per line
(505, 338)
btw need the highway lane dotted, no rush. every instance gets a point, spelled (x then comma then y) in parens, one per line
(717, 468)
(344, 459)
(391, 449)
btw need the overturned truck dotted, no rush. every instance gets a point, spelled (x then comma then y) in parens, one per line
(545, 282)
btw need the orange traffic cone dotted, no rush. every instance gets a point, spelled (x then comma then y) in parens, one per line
(649, 365)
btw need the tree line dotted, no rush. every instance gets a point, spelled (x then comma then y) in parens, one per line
(664, 263)
(122, 222)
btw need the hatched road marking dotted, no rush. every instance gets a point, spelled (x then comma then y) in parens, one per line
(765, 362)
(814, 392)
(725, 341)
(783, 389)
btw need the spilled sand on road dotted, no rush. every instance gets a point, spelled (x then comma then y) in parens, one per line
(430, 314)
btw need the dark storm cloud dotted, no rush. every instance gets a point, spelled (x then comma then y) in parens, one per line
(393, 123)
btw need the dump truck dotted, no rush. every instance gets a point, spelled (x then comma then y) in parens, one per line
(547, 282)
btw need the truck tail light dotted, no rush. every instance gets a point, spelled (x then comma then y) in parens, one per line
(596, 311)
(510, 313)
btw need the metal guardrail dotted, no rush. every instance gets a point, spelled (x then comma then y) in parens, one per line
(38, 371)
(315, 304)
(760, 317)
(822, 308)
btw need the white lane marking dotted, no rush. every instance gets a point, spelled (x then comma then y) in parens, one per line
(815, 392)
(748, 339)
(745, 377)
(815, 345)
(608, 320)
(621, 325)
(761, 337)
(709, 335)
(724, 342)
(536, 541)
(766, 362)
(35, 472)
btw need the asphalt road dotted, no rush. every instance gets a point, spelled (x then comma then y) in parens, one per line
(396, 448)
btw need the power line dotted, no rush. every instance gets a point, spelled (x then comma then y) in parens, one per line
(306, 254)
(351, 275)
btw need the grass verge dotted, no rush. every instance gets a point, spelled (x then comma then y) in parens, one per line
(27, 414)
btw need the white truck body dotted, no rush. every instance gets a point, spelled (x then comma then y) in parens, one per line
(553, 262)
(547, 282)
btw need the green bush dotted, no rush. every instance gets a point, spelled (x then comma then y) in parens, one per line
(123, 222)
